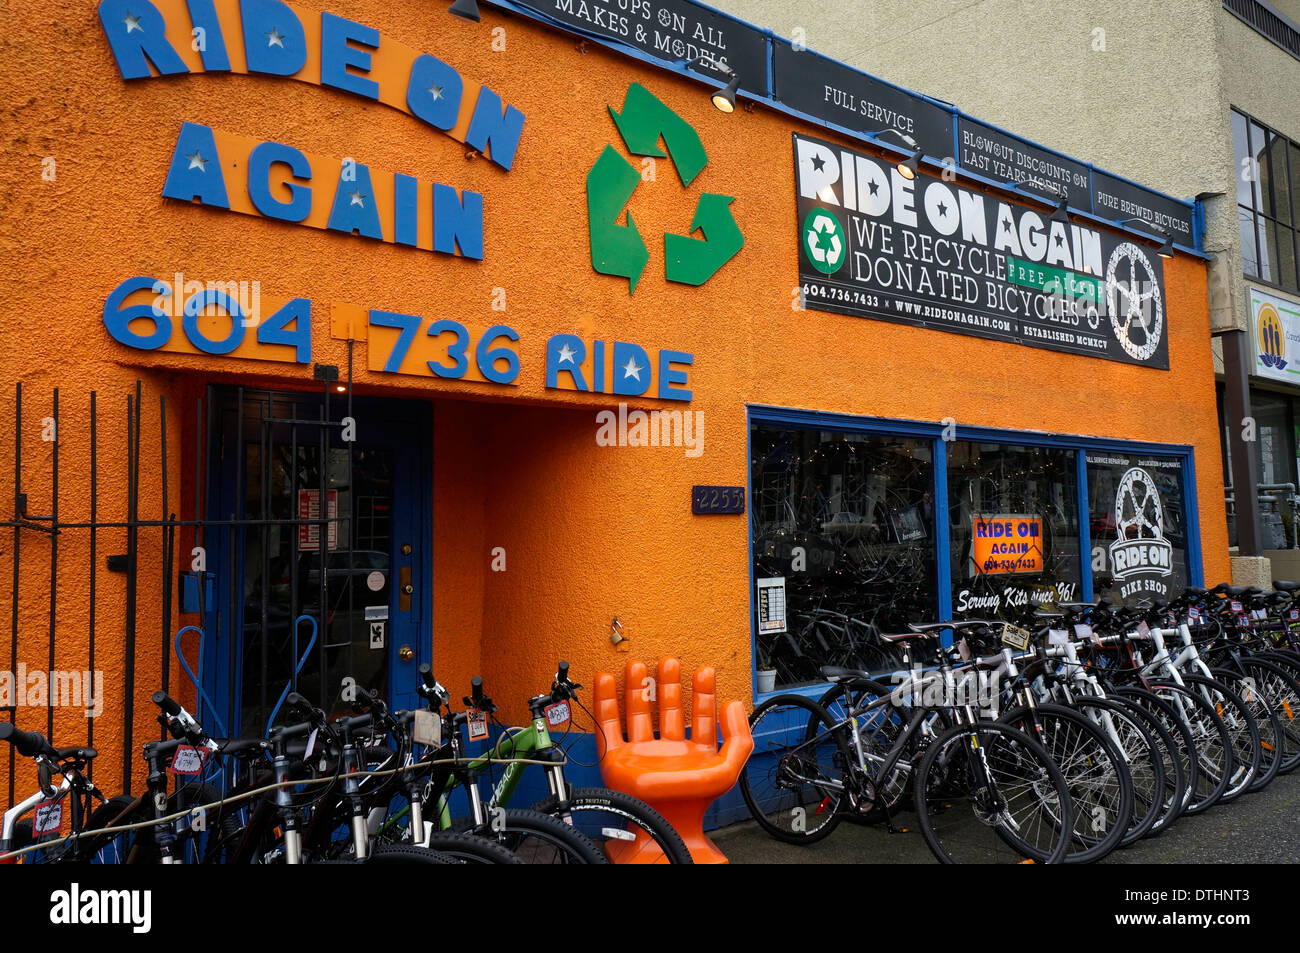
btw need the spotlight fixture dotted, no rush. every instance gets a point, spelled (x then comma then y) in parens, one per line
(465, 9)
(723, 99)
(1059, 214)
(908, 167)
(1166, 249)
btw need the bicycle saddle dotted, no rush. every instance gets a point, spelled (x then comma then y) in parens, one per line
(840, 674)
(1283, 586)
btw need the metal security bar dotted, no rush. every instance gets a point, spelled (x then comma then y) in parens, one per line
(59, 550)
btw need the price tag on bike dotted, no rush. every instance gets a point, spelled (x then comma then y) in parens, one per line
(1235, 605)
(1058, 638)
(47, 818)
(1143, 630)
(1193, 614)
(1294, 615)
(558, 714)
(426, 729)
(963, 649)
(188, 760)
(1016, 637)
(476, 719)
(1082, 630)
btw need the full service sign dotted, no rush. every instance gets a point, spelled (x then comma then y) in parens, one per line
(930, 253)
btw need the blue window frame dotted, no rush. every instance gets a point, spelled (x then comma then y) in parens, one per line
(1140, 532)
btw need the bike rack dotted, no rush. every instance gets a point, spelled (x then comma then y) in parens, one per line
(300, 661)
(197, 679)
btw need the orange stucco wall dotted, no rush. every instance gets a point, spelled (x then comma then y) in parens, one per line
(589, 532)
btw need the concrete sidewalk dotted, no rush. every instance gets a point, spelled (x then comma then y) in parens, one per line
(1255, 828)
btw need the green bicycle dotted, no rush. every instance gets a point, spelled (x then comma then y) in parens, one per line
(616, 826)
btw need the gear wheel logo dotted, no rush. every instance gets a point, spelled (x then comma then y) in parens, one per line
(1133, 297)
(1141, 546)
(617, 248)
(823, 241)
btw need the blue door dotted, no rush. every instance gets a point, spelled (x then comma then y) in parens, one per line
(319, 523)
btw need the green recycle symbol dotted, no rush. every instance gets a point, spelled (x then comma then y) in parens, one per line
(618, 249)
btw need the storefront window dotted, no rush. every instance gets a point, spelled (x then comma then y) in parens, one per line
(1139, 542)
(843, 546)
(1013, 527)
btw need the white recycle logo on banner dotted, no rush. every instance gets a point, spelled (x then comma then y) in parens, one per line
(823, 241)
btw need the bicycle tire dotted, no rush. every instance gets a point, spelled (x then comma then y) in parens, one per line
(592, 810)
(1020, 776)
(792, 786)
(1145, 763)
(1214, 757)
(1283, 689)
(1171, 762)
(386, 854)
(1271, 741)
(1242, 727)
(471, 849)
(1185, 748)
(537, 838)
(1098, 776)
(886, 724)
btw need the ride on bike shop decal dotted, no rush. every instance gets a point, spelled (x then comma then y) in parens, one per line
(930, 253)
(1138, 542)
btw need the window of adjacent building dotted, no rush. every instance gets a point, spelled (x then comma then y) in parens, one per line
(1268, 192)
(1013, 526)
(843, 542)
(1136, 516)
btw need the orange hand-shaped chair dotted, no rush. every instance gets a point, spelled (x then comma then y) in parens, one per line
(677, 777)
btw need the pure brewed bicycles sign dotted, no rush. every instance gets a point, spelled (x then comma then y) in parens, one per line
(930, 253)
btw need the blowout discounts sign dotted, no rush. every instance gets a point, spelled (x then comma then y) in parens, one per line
(930, 253)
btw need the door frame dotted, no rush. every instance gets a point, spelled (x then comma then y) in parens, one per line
(403, 425)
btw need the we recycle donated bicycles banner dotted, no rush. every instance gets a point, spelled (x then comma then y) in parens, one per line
(930, 253)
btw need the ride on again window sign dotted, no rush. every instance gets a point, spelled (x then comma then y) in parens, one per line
(1007, 544)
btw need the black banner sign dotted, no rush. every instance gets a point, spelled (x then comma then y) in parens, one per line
(1116, 199)
(834, 93)
(1002, 157)
(669, 30)
(1139, 542)
(930, 253)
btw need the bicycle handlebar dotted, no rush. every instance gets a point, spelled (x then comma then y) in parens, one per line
(30, 744)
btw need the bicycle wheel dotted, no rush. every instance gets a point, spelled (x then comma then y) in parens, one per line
(386, 854)
(877, 730)
(1214, 758)
(1128, 728)
(1184, 752)
(629, 829)
(537, 838)
(1165, 750)
(1100, 783)
(470, 849)
(1271, 741)
(1243, 731)
(1282, 689)
(793, 782)
(987, 793)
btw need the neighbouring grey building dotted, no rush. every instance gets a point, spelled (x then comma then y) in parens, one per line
(1195, 98)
